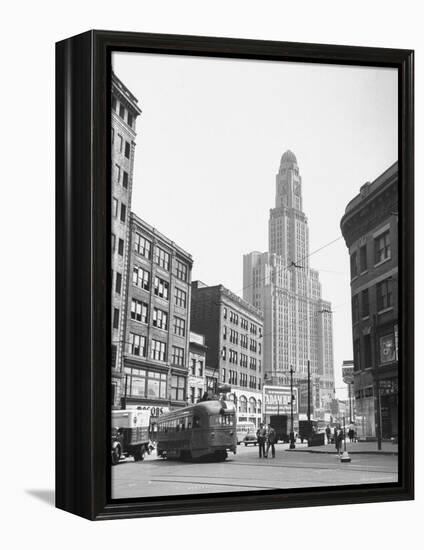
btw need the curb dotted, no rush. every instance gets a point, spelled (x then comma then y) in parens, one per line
(389, 453)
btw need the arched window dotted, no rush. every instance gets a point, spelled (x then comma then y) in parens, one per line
(252, 405)
(242, 404)
(259, 410)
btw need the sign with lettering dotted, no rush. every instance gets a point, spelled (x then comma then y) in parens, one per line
(347, 373)
(277, 399)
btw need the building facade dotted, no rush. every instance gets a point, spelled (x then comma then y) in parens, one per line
(157, 334)
(370, 229)
(233, 331)
(297, 320)
(125, 111)
(197, 368)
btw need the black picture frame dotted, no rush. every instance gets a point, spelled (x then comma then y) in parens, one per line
(82, 272)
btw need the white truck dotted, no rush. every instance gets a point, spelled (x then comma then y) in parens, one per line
(130, 434)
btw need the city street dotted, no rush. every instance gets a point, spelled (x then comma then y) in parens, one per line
(246, 471)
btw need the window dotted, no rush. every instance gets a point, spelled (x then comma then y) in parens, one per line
(244, 323)
(180, 298)
(115, 317)
(114, 103)
(193, 367)
(180, 270)
(253, 345)
(118, 172)
(139, 311)
(113, 242)
(367, 351)
(123, 212)
(142, 246)
(162, 258)
(158, 350)
(121, 247)
(223, 375)
(243, 404)
(113, 356)
(224, 333)
(192, 394)
(161, 288)
(136, 344)
(160, 319)
(382, 247)
(178, 356)
(365, 303)
(120, 143)
(179, 326)
(356, 355)
(363, 258)
(177, 388)
(121, 110)
(118, 283)
(125, 179)
(114, 207)
(200, 371)
(225, 312)
(353, 265)
(355, 308)
(130, 119)
(384, 295)
(156, 385)
(141, 278)
(127, 149)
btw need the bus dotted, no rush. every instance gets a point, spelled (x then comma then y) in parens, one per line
(204, 430)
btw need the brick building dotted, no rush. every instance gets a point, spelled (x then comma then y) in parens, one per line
(370, 229)
(125, 111)
(158, 321)
(196, 384)
(233, 331)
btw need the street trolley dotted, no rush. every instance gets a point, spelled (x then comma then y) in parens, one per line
(204, 430)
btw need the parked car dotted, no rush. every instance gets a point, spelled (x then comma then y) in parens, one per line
(250, 438)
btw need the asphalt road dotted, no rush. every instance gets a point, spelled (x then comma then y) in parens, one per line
(245, 471)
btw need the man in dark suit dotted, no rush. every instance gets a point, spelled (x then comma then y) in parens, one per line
(271, 441)
(261, 435)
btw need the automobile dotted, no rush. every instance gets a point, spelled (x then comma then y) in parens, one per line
(250, 438)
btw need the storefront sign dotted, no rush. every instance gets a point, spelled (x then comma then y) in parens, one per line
(347, 373)
(155, 411)
(277, 400)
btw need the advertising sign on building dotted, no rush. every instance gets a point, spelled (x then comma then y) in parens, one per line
(347, 373)
(277, 400)
(387, 348)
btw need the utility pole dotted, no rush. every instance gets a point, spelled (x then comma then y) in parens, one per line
(309, 393)
(292, 443)
(350, 404)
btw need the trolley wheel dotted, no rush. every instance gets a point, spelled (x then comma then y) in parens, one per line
(116, 455)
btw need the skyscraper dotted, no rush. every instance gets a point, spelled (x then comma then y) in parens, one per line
(280, 282)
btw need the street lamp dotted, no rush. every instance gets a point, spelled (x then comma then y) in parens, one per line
(292, 442)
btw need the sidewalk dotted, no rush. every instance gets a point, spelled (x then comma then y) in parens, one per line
(362, 447)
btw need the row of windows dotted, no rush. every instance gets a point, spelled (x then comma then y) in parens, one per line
(148, 384)
(124, 179)
(196, 367)
(233, 358)
(162, 258)
(123, 145)
(382, 252)
(244, 340)
(120, 245)
(240, 379)
(137, 345)
(141, 279)
(365, 355)
(361, 301)
(115, 210)
(123, 112)
(244, 323)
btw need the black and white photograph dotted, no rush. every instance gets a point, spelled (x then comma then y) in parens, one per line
(254, 275)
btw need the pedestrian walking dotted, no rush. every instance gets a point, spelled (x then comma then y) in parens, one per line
(351, 434)
(261, 436)
(328, 434)
(271, 441)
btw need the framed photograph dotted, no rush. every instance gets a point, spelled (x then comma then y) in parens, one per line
(234, 275)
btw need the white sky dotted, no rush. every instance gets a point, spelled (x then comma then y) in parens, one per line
(209, 143)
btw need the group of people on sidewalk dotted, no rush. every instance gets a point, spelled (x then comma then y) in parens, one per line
(267, 438)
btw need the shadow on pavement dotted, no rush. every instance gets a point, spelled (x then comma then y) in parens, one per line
(45, 495)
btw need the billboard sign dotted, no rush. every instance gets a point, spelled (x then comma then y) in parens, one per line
(347, 373)
(277, 400)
